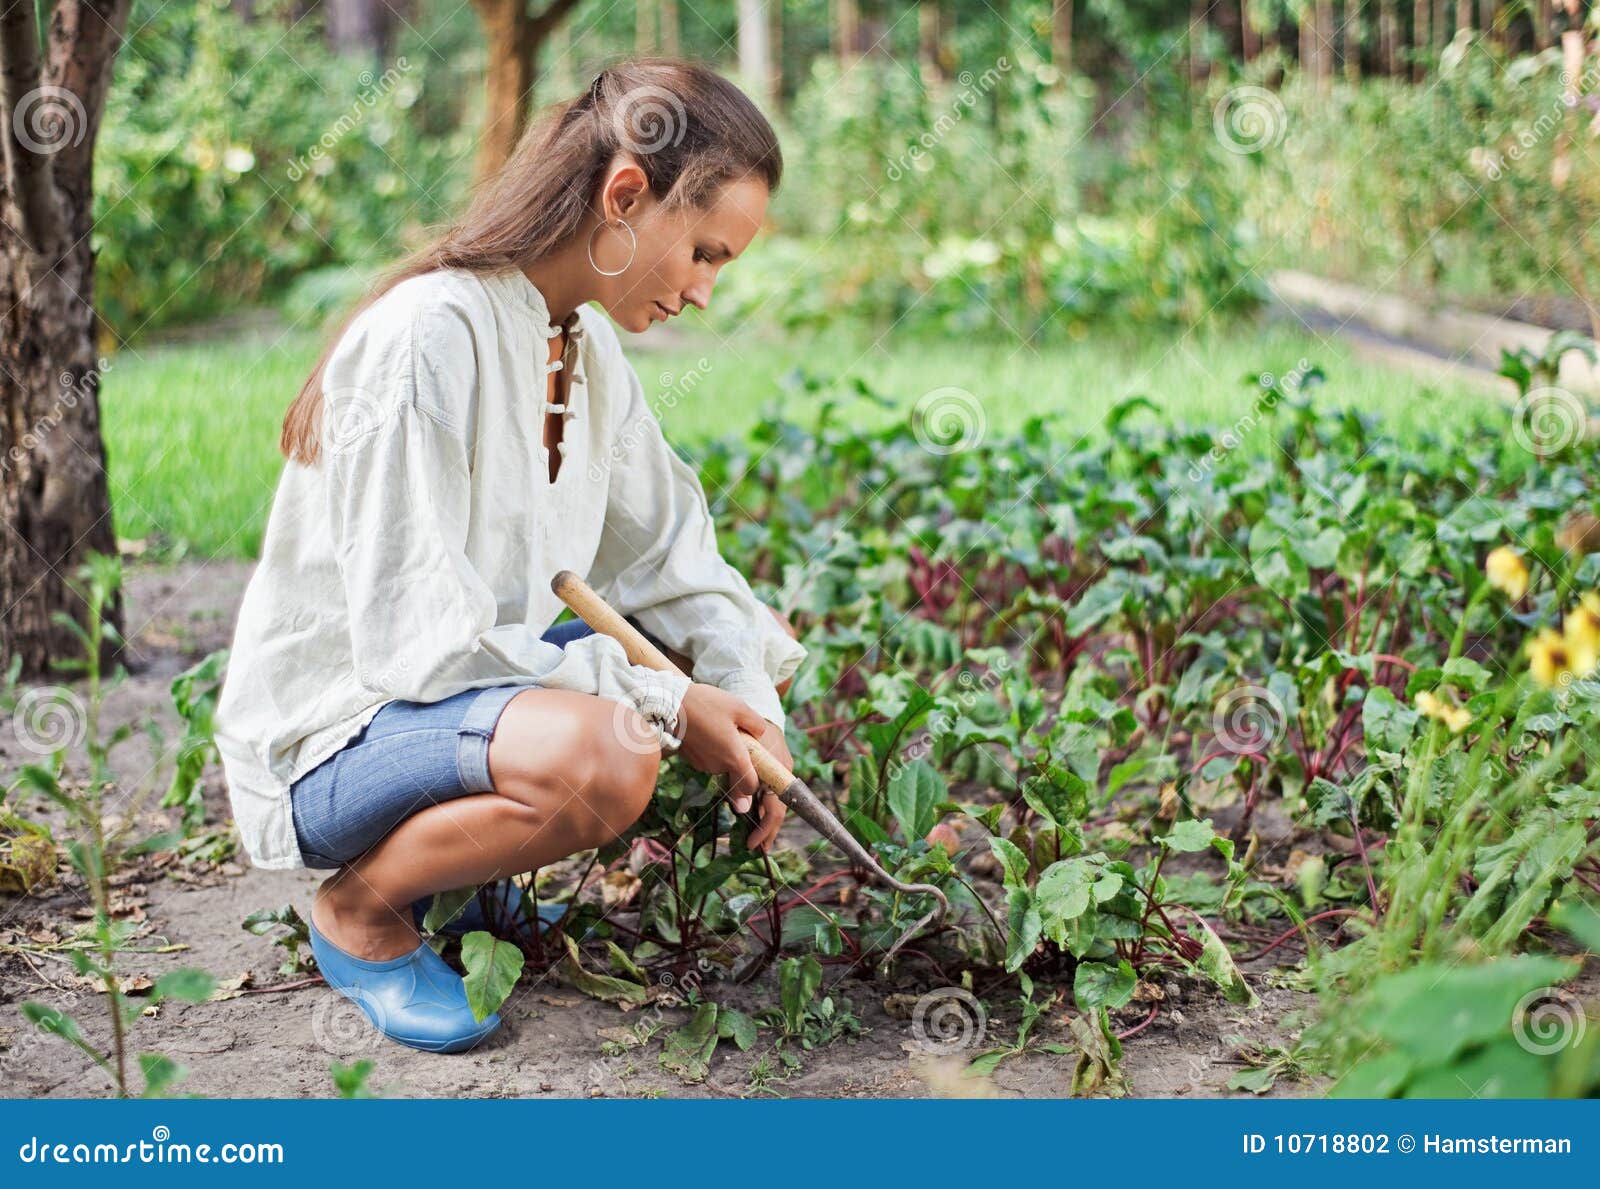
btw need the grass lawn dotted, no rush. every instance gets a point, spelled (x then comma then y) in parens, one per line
(192, 430)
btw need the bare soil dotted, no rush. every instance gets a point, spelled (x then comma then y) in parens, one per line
(554, 1040)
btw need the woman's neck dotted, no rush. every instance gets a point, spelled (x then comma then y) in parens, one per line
(560, 280)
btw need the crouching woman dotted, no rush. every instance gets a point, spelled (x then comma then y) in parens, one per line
(400, 705)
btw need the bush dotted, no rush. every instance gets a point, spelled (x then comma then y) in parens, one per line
(218, 181)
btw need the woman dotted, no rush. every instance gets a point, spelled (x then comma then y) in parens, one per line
(398, 706)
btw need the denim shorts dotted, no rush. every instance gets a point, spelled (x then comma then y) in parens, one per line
(409, 756)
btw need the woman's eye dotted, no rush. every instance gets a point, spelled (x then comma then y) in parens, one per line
(700, 256)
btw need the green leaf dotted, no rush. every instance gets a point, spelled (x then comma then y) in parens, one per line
(57, 1023)
(1098, 984)
(799, 980)
(1217, 964)
(159, 1073)
(915, 791)
(1012, 860)
(1189, 836)
(1023, 928)
(736, 1026)
(191, 986)
(493, 967)
(598, 986)
(1387, 724)
(687, 1051)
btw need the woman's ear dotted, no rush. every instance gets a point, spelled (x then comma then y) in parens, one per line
(624, 189)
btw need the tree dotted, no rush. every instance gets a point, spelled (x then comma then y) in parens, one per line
(514, 36)
(54, 496)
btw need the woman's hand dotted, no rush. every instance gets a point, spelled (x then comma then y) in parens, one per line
(713, 724)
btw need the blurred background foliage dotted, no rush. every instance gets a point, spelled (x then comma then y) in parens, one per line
(1025, 169)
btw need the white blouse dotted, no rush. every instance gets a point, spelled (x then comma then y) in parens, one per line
(413, 561)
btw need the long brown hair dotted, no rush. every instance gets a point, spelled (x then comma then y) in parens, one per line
(690, 130)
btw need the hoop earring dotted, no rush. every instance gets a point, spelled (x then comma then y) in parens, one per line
(633, 247)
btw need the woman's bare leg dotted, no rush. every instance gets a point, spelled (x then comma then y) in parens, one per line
(569, 774)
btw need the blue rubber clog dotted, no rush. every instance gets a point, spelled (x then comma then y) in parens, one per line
(470, 918)
(415, 999)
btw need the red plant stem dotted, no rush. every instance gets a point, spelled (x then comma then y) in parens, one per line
(1292, 930)
(1141, 1025)
(1366, 862)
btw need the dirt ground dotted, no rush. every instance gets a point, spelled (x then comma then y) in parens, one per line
(281, 1043)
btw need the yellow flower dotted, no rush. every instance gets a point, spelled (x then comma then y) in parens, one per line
(1507, 572)
(1456, 718)
(1556, 658)
(1582, 628)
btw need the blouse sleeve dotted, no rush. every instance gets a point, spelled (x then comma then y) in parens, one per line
(658, 562)
(422, 619)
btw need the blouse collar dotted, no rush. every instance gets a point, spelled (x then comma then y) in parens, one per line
(529, 292)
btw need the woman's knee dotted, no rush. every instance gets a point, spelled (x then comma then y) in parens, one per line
(589, 760)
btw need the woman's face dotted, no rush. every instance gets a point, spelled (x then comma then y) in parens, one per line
(679, 253)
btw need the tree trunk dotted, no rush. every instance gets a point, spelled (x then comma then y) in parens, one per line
(1353, 32)
(755, 47)
(1060, 36)
(363, 27)
(670, 39)
(54, 494)
(646, 21)
(1324, 38)
(1249, 39)
(846, 30)
(1544, 16)
(513, 37)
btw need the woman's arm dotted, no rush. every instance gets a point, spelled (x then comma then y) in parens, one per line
(658, 561)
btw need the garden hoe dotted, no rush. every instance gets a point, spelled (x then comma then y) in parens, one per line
(594, 611)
